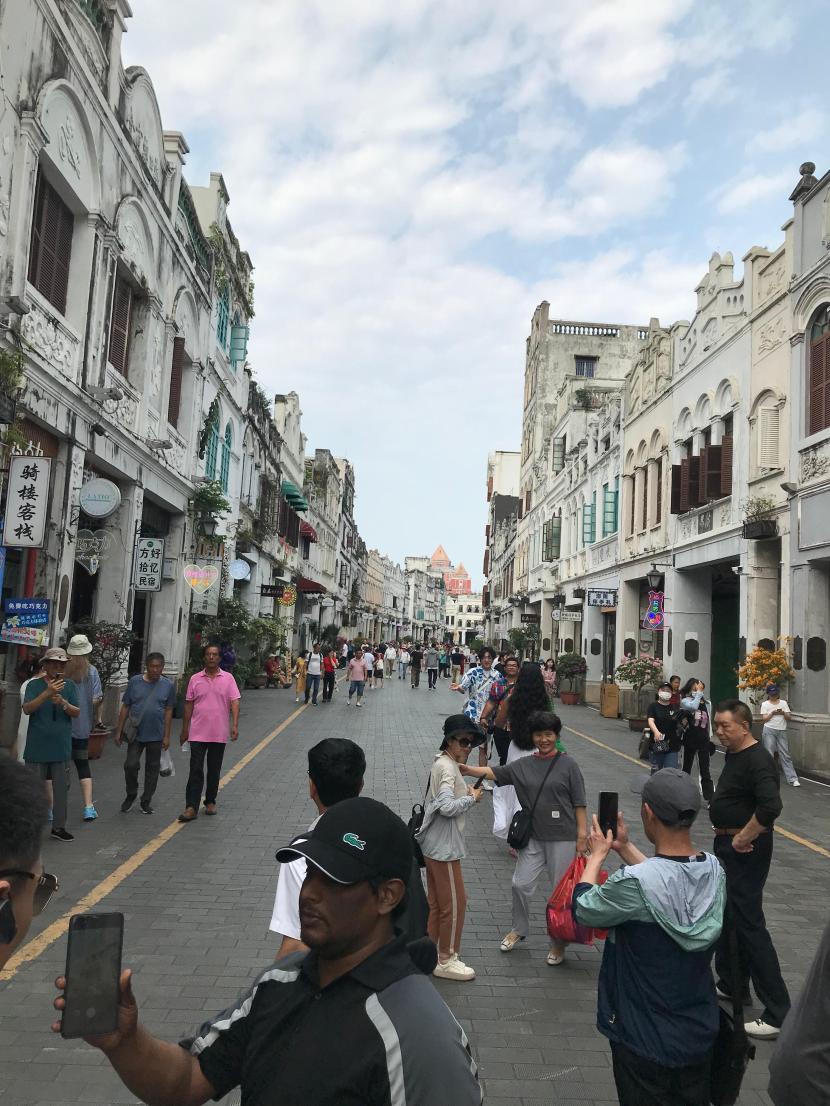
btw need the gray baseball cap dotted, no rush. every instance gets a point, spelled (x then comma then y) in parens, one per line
(671, 794)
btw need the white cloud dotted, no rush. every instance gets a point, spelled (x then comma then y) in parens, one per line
(798, 130)
(741, 193)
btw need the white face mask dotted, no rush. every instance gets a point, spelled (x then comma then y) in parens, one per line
(664, 696)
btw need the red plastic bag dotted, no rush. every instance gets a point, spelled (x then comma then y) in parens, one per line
(562, 928)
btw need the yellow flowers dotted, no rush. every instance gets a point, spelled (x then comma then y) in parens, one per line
(765, 666)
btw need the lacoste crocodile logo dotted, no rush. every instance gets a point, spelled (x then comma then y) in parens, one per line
(353, 840)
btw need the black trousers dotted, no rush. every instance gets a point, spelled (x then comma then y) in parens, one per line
(214, 751)
(328, 686)
(152, 763)
(415, 675)
(641, 1082)
(696, 744)
(746, 874)
(432, 677)
(502, 742)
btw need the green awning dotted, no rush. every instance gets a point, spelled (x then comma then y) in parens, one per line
(294, 496)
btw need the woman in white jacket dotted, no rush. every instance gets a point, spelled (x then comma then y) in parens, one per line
(441, 838)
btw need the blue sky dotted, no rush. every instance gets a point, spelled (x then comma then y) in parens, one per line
(411, 180)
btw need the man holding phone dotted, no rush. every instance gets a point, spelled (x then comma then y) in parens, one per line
(51, 702)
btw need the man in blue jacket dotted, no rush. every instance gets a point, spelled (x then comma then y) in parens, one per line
(657, 1004)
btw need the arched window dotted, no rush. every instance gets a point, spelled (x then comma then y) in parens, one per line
(227, 446)
(212, 447)
(818, 373)
(764, 430)
(223, 311)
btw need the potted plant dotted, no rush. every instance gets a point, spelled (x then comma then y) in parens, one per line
(758, 521)
(762, 667)
(570, 667)
(640, 672)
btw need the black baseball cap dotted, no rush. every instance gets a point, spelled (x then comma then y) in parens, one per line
(459, 725)
(354, 840)
(672, 795)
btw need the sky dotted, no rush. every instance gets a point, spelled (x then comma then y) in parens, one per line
(412, 178)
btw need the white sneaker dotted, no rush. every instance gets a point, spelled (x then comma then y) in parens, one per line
(761, 1030)
(360, 704)
(796, 783)
(454, 969)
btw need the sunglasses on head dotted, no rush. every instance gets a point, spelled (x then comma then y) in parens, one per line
(45, 887)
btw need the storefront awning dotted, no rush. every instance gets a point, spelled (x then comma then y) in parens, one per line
(310, 587)
(308, 531)
(294, 496)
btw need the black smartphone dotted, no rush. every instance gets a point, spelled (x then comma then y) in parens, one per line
(479, 783)
(607, 815)
(93, 973)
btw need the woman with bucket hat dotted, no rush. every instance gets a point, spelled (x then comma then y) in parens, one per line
(86, 678)
(441, 838)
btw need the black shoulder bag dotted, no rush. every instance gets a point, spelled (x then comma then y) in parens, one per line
(518, 835)
(733, 1048)
(416, 820)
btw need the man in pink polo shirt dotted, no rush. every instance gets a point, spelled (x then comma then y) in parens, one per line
(212, 695)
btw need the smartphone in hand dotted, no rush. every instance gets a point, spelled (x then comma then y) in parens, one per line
(607, 813)
(93, 973)
(479, 783)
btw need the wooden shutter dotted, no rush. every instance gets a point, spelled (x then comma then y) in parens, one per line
(293, 530)
(694, 482)
(768, 436)
(818, 397)
(486, 562)
(50, 247)
(676, 490)
(282, 523)
(726, 465)
(684, 485)
(555, 537)
(658, 472)
(175, 398)
(644, 519)
(710, 468)
(122, 303)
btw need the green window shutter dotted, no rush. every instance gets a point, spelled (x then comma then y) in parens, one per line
(588, 524)
(239, 343)
(558, 454)
(227, 445)
(610, 498)
(555, 537)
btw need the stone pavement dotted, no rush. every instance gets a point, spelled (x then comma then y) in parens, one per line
(197, 909)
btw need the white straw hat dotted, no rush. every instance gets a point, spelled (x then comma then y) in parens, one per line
(79, 646)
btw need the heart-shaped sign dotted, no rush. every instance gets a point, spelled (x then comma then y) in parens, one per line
(91, 546)
(201, 577)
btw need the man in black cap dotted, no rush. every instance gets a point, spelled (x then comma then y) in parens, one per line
(656, 1001)
(351, 1023)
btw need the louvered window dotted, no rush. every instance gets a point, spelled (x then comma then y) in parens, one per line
(818, 387)
(551, 539)
(174, 400)
(658, 515)
(726, 465)
(588, 532)
(610, 501)
(676, 489)
(768, 438)
(222, 319)
(227, 447)
(122, 311)
(212, 450)
(644, 504)
(50, 247)
(558, 462)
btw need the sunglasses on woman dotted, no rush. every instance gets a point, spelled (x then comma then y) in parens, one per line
(465, 742)
(45, 887)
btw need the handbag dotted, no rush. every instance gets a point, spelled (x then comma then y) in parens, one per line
(562, 926)
(416, 820)
(645, 745)
(733, 1049)
(518, 833)
(131, 724)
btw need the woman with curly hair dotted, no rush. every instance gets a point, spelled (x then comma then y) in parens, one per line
(528, 695)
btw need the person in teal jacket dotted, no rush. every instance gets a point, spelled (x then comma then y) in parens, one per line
(51, 702)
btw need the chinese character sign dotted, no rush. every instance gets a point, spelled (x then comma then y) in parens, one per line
(26, 502)
(27, 612)
(655, 616)
(149, 561)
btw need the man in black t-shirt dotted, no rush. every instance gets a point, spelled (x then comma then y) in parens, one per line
(354, 1022)
(416, 658)
(746, 803)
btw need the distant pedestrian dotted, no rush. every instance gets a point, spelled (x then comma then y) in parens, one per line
(444, 662)
(300, 675)
(357, 674)
(378, 673)
(431, 663)
(746, 803)
(416, 660)
(211, 710)
(344, 654)
(90, 695)
(476, 685)
(441, 838)
(389, 658)
(329, 675)
(553, 781)
(775, 714)
(456, 664)
(228, 655)
(148, 701)
(494, 717)
(51, 703)
(549, 676)
(656, 1004)
(697, 737)
(674, 684)
(369, 662)
(314, 673)
(663, 721)
(404, 659)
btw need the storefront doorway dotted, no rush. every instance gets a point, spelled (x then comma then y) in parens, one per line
(725, 628)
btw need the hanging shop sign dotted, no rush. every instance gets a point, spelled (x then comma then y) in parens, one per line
(27, 612)
(272, 591)
(535, 618)
(149, 562)
(655, 616)
(203, 580)
(239, 570)
(572, 616)
(602, 597)
(26, 502)
(289, 595)
(100, 498)
(92, 547)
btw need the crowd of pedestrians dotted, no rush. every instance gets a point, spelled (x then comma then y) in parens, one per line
(350, 905)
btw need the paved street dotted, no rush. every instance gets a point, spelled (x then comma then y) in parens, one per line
(197, 904)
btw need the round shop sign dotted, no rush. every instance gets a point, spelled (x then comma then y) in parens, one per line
(100, 498)
(289, 596)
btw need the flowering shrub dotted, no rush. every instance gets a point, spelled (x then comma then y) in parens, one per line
(640, 672)
(762, 667)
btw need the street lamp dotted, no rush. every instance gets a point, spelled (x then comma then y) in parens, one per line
(654, 578)
(208, 525)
